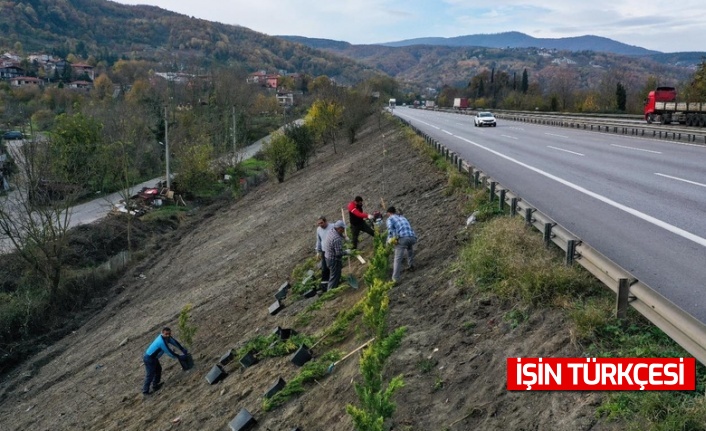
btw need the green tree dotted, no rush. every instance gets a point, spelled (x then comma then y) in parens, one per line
(525, 82)
(621, 97)
(75, 147)
(280, 153)
(356, 108)
(303, 139)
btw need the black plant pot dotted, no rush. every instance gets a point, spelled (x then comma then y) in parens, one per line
(301, 356)
(216, 374)
(276, 307)
(248, 360)
(243, 421)
(225, 359)
(278, 386)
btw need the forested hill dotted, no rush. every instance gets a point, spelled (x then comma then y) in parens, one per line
(108, 31)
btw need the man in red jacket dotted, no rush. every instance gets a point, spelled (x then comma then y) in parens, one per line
(358, 219)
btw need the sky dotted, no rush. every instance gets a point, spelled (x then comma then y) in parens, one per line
(667, 27)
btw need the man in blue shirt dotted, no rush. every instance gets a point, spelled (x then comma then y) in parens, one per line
(153, 369)
(401, 235)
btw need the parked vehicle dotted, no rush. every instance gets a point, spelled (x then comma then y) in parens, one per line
(460, 103)
(12, 134)
(484, 118)
(661, 106)
(429, 104)
(392, 103)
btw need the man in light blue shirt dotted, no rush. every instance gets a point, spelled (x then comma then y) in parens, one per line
(153, 369)
(401, 235)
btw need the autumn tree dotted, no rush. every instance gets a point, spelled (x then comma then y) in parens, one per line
(303, 139)
(324, 119)
(356, 109)
(697, 86)
(103, 87)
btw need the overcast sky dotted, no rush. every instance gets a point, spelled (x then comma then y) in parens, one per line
(662, 26)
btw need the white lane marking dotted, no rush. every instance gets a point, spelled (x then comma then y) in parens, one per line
(558, 136)
(510, 137)
(447, 132)
(649, 219)
(680, 179)
(636, 149)
(566, 151)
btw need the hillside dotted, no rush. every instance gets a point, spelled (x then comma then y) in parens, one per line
(436, 66)
(108, 31)
(514, 39)
(229, 263)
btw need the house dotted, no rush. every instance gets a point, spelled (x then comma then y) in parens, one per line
(285, 99)
(80, 69)
(81, 85)
(24, 81)
(9, 70)
(269, 80)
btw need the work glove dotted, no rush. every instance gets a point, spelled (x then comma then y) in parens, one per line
(346, 252)
(318, 256)
(371, 217)
(392, 240)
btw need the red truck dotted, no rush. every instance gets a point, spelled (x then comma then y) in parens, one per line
(662, 106)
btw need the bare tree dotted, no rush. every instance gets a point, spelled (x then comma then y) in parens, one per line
(35, 217)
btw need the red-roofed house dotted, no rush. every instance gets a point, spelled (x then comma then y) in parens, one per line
(22, 81)
(81, 68)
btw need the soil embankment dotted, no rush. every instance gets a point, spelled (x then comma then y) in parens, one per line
(230, 263)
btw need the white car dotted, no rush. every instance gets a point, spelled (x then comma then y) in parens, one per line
(484, 118)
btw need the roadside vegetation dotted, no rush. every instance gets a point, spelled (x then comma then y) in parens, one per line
(505, 260)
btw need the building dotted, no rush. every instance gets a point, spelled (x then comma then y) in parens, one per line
(24, 81)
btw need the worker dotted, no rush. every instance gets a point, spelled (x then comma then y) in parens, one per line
(334, 252)
(153, 369)
(322, 229)
(401, 235)
(358, 219)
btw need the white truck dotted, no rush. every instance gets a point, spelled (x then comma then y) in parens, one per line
(392, 103)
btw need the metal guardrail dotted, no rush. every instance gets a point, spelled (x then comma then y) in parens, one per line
(679, 325)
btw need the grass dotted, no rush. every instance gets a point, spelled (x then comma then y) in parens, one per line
(166, 212)
(511, 262)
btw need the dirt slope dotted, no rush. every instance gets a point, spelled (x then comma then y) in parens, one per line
(229, 264)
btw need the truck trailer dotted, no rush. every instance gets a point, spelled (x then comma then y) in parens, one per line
(662, 106)
(460, 103)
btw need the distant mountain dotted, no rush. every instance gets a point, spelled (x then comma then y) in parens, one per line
(516, 39)
(435, 66)
(108, 31)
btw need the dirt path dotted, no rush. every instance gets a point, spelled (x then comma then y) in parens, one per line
(230, 264)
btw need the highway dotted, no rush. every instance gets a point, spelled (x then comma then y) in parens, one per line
(640, 202)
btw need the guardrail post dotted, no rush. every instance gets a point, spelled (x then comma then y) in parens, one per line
(570, 252)
(547, 234)
(476, 179)
(502, 200)
(460, 164)
(528, 216)
(492, 190)
(513, 207)
(621, 307)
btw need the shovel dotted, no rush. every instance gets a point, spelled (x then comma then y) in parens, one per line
(333, 364)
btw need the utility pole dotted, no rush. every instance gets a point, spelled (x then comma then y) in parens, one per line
(166, 144)
(235, 133)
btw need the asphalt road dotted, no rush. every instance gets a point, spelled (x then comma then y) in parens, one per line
(641, 202)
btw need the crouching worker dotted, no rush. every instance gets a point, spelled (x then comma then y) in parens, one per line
(153, 369)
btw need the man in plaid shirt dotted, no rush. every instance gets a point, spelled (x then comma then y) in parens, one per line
(334, 252)
(401, 235)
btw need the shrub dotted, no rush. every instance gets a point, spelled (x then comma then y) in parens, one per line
(303, 138)
(186, 329)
